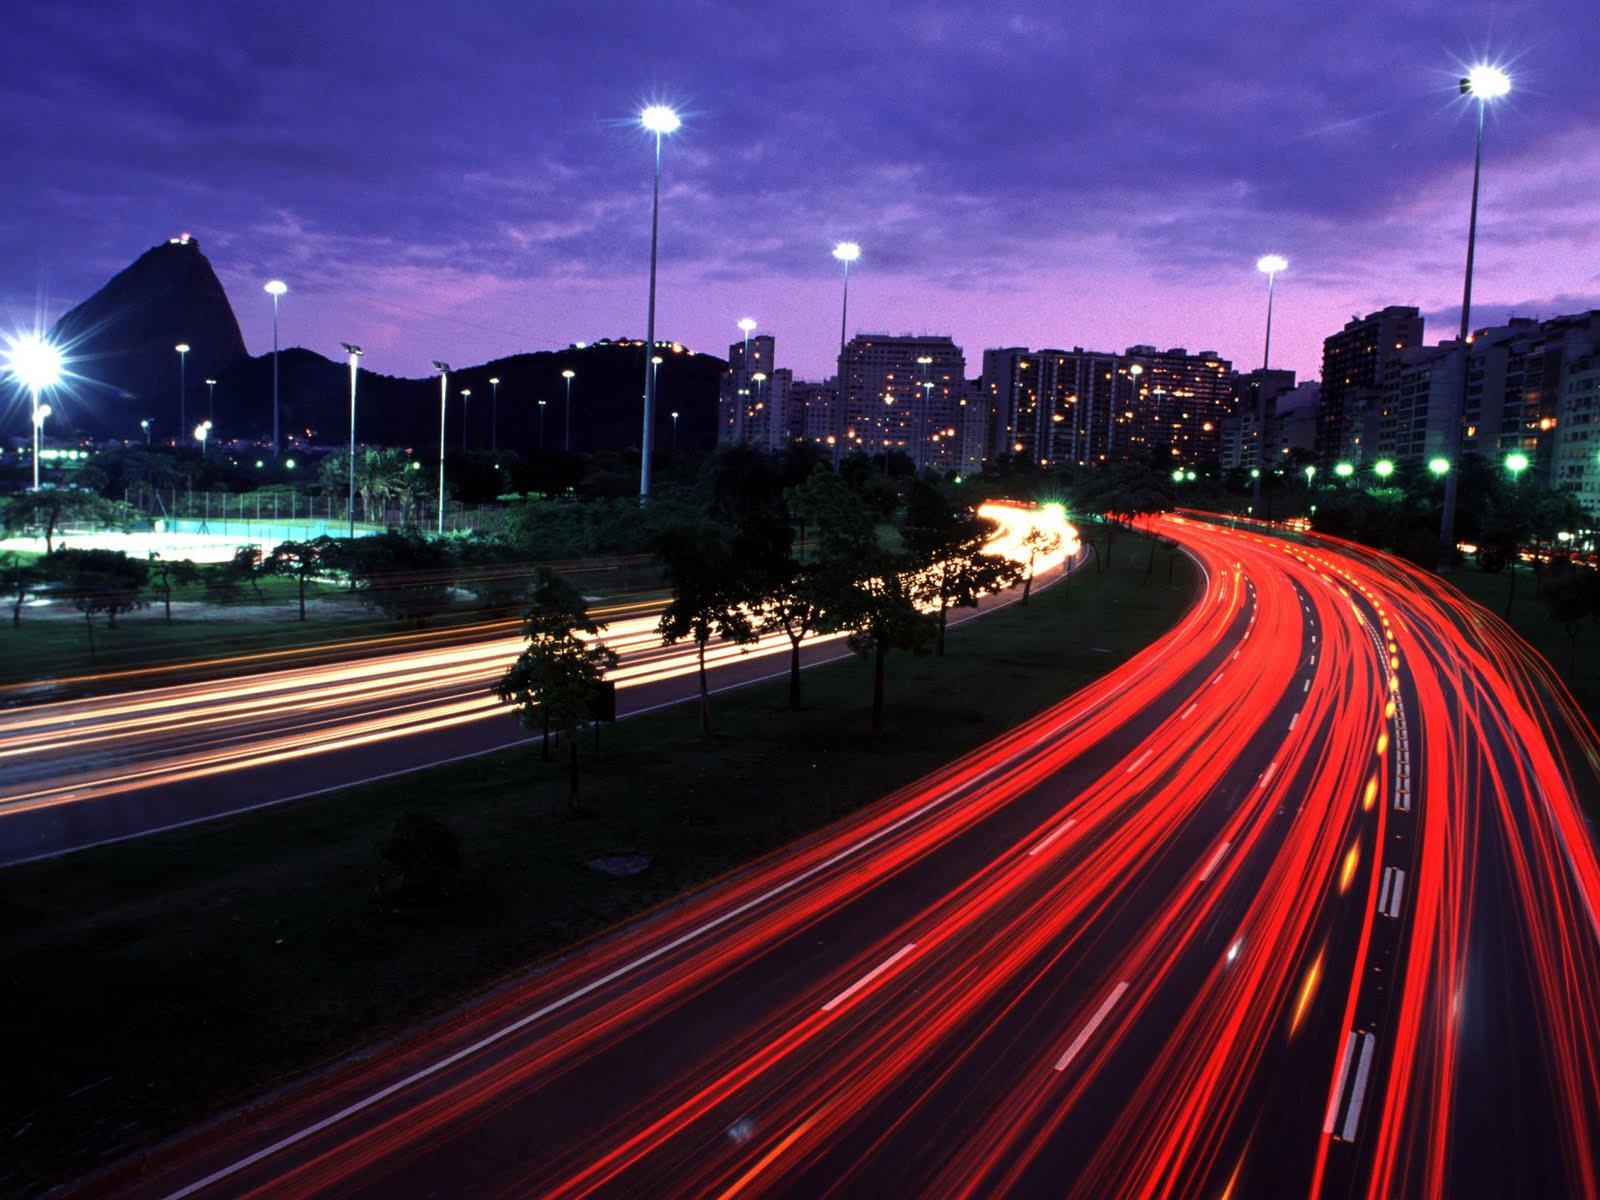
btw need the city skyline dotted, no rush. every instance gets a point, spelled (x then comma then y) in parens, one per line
(1316, 137)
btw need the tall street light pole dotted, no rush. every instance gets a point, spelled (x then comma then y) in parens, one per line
(1483, 84)
(145, 425)
(494, 414)
(275, 288)
(541, 424)
(211, 400)
(747, 326)
(1269, 265)
(183, 384)
(444, 391)
(202, 434)
(924, 361)
(350, 502)
(466, 398)
(566, 438)
(660, 121)
(674, 431)
(846, 253)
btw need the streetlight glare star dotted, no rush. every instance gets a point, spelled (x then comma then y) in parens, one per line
(658, 118)
(747, 323)
(1271, 264)
(276, 287)
(34, 362)
(1486, 82)
(847, 251)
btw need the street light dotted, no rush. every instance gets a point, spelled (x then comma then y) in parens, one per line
(1516, 463)
(747, 326)
(541, 424)
(1483, 83)
(1383, 468)
(846, 253)
(211, 400)
(37, 365)
(494, 414)
(924, 361)
(1344, 470)
(355, 356)
(674, 432)
(444, 390)
(566, 441)
(202, 431)
(275, 288)
(145, 425)
(1269, 265)
(1311, 473)
(659, 120)
(466, 398)
(183, 383)
(1439, 466)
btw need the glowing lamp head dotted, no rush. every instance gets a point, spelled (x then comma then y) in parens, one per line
(658, 118)
(40, 413)
(494, 381)
(657, 359)
(33, 362)
(1439, 466)
(759, 376)
(1271, 264)
(1485, 82)
(1177, 476)
(1344, 470)
(847, 252)
(569, 374)
(182, 347)
(1383, 468)
(747, 324)
(145, 424)
(276, 287)
(1136, 370)
(1517, 462)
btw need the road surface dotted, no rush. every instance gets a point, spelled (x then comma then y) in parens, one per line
(1297, 902)
(84, 772)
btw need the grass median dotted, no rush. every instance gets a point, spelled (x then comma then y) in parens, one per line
(157, 982)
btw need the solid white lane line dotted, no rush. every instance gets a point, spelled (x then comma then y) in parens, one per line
(1087, 1031)
(1189, 712)
(1338, 1084)
(1053, 835)
(1266, 775)
(1215, 859)
(869, 977)
(1359, 1093)
(1140, 761)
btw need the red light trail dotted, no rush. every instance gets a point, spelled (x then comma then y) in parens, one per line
(1299, 901)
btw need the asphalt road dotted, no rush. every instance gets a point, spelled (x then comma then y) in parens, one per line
(1299, 901)
(84, 772)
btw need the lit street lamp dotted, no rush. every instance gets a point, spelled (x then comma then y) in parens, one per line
(1269, 265)
(275, 288)
(466, 398)
(674, 432)
(1383, 468)
(747, 327)
(1516, 463)
(145, 425)
(202, 432)
(1439, 466)
(350, 503)
(924, 361)
(846, 253)
(541, 424)
(444, 390)
(183, 383)
(1483, 83)
(566, 440)
(211, 400)
(659, 120)
(1344, 470)
(494, 414)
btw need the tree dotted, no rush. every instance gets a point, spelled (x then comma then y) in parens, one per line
(555, 678)
(300, 561)
(860, 583)
(402, 573)
(1037, 541)
(1571, 593)
(18, 580)
(167, 573)
(44, 510)
(494, 572)
(1122, 492)
(97, 581)
(792, 606)
(712, 594)
(950, 566)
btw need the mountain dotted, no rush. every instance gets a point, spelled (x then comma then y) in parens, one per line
(121, 339)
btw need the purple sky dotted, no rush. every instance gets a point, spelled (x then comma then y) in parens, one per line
(463, 181)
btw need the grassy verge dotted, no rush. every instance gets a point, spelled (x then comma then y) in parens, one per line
(155, 982)
(1578, 663)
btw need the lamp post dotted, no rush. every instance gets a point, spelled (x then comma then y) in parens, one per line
(183, 383)
(674, 432)
(444, 391)
(1516, 463)
(747, 326)
(275, 288)
(1134, 371)
(354, 353)
(659, 120)
(758, 379)
(1269, 265)
(145, 425)
(566, 440)
(1483, 83)
(494, 414)
(924, 361)
(846, 253)
(466, 398)
(541, 424)
(202, 432)
(211, 400)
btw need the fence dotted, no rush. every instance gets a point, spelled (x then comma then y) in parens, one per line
(264, 517)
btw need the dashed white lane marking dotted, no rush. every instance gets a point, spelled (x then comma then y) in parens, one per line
(869, 977)
(1053, 835)
(1087, 1031)
(1266, 775)
(1140, 761)
(1215, 859)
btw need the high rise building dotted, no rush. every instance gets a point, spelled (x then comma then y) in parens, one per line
(744, 408)
(1576, 452)
(901, 393)
(1179, 403)
(1250, 390)
(1354, 364)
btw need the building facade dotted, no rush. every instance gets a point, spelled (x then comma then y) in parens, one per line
(1355, 364)
(902, 393)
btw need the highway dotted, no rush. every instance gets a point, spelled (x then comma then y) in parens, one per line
(84, 772)
(1297, 902)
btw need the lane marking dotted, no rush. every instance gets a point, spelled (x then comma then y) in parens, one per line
(1215, 859)
(1306, 688)
(1292, 720)
(1267, 774)
(1394, 882)
(1053, 835)
(1189, 712)
(1087, 1031)
(1140, 761)
(869, 977)
(1358, 1094)
(1338, 1084)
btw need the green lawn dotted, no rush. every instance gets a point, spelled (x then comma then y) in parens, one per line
(156, 982)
